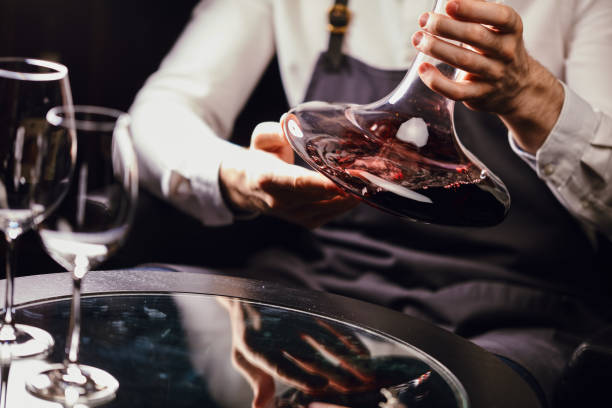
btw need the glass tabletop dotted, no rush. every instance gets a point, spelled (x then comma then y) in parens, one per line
(186, 350)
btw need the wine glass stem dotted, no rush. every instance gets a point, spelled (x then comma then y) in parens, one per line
(74, 330)
(4, 374)
(11, 259)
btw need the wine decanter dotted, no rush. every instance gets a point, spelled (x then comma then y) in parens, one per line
(400, 154)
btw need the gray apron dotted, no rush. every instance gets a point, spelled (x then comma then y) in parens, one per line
(514, 289)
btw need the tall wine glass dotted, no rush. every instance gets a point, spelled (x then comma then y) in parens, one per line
(88, 226)
(36, 162)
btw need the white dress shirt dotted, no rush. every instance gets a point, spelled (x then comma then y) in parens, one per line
(184, 114)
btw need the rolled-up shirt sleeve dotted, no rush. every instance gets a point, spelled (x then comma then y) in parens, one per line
(184, 114)
(575, 161)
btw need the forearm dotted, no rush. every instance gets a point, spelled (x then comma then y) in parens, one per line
(571, 141)
(179, 157)
(188, 107)
(536, 110)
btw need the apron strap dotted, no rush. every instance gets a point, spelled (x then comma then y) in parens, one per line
(339, 18)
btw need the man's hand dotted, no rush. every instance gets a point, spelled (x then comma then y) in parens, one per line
(263, 179)
(310, 355)
(326, 364)
(500, 76)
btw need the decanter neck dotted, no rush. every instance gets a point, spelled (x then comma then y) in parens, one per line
(412, 74)
(440, 6)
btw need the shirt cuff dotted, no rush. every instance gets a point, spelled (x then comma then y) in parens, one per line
(194, 187)
(529, 158)
(559, 157)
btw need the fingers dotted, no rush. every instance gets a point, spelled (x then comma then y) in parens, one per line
(341, 361)
(496, 66)
(261, 383)
(319, 213)
(269, 137)
(456, 90)
(334, 374)
(346, 338)
(484, 39)
(499, 16)
(322, 354)
(304, 197)
(297, 184)
(259, 181)
(294, 372)
(457, 56)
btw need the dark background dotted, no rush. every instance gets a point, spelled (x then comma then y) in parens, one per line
(110, 48)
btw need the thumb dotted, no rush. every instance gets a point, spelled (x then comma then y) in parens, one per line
(269, 137)
(262, 384)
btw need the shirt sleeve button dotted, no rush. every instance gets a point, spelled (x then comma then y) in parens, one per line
(549, 169)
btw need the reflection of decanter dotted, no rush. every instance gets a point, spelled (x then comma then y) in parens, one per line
(398, 396)
(401, 153)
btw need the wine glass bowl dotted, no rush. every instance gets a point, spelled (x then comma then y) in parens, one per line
(94, 219)
(88, 226)
(36, 163)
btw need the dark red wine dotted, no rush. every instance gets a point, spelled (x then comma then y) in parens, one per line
(410, 165)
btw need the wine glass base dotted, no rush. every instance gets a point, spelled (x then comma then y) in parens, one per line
(20, 341)
(73, 384)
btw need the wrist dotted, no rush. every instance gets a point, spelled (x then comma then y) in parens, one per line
(229, 180)
(537, 109)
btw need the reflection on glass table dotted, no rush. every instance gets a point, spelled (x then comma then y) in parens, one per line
(186, 350)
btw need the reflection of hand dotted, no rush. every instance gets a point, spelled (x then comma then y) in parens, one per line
(311, 356)
(501, 77)
(263, 179)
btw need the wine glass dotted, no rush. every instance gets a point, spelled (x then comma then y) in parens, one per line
(88, 226)
(36, 163)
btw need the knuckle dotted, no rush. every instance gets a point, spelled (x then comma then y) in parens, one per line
(298, 183)
(448, 92)
(497, 73)
(272, 202)
(510, 18)
(519, 25)
(516, 21)
(427, 44)
(474, 33)
(506, 15)
(261, 182)
(462, 59)
(434, 24)
(506, 50)
(431, 82)
(457, 92)
(459, 95)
